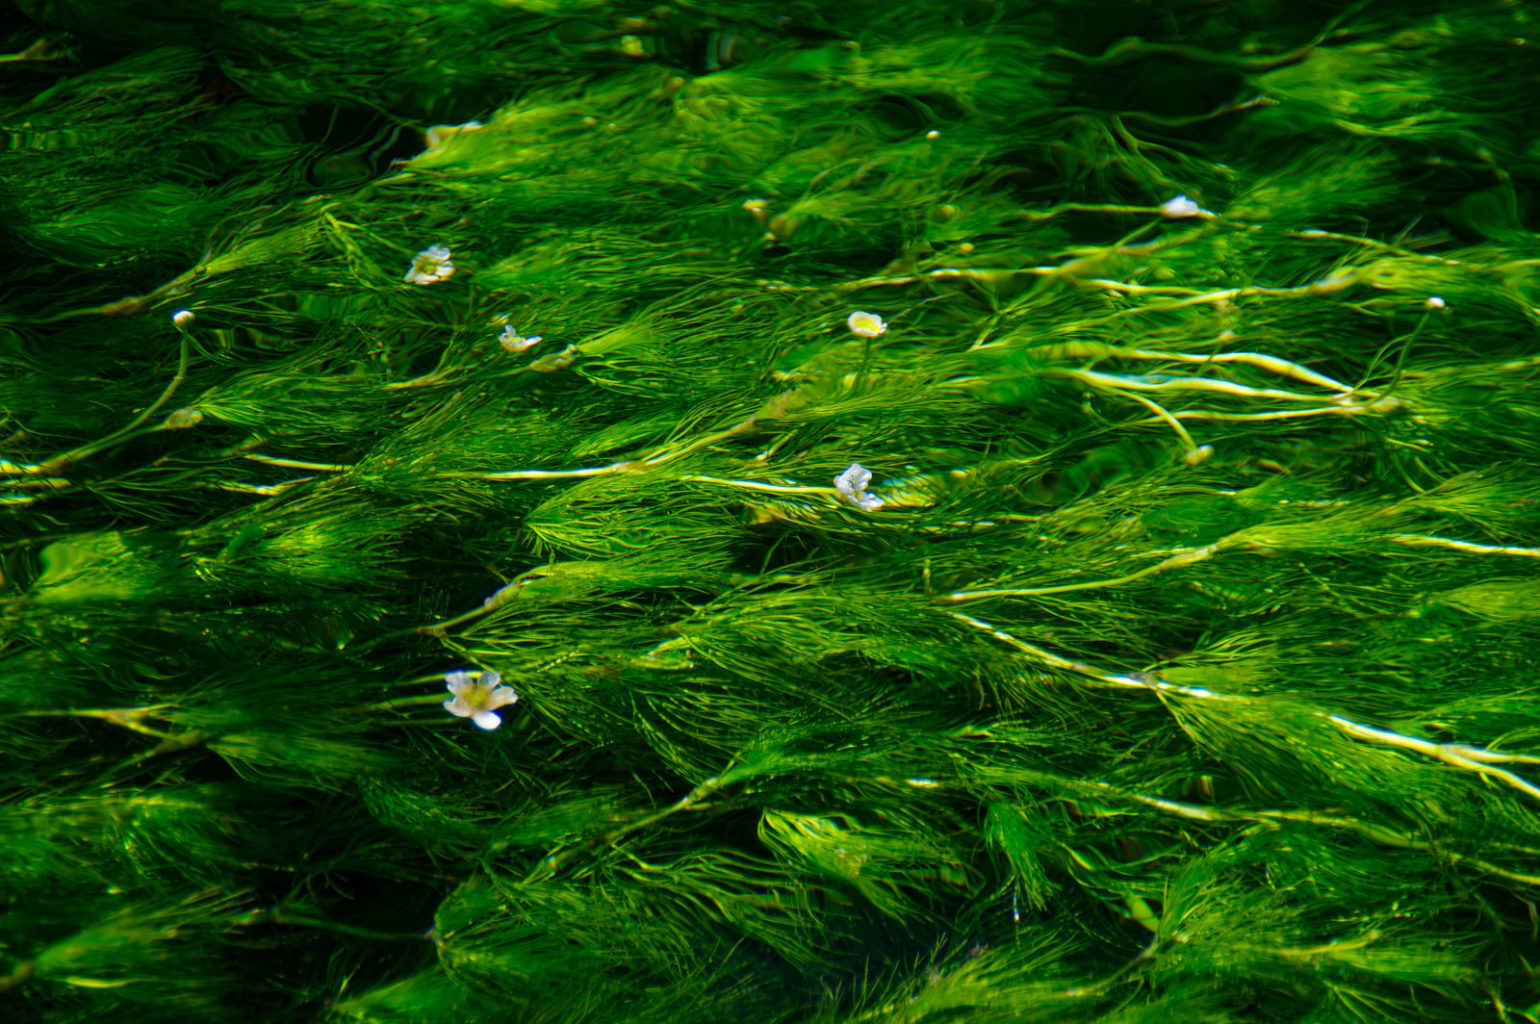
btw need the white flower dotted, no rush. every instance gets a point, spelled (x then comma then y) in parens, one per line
(851, 485)
(867, 325)
(1180, 206)
(1435, 302)
(183, 318)
(855, 478)
(513, 342)
(475, 698)
(432, 264)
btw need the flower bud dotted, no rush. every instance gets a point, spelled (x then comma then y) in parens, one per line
(181, 419)
(1199, 455)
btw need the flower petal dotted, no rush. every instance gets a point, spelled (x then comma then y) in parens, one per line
(1180, 206)
(501, 696)
(487, 720)
(459, 706)
(854, 479)
(458, 681)
(432, 264)
(490, 679)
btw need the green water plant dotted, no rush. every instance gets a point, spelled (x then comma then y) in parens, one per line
(935, 512)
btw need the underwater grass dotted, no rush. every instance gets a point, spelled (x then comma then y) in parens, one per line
(989, 512)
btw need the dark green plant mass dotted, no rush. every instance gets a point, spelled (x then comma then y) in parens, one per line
(568, 511)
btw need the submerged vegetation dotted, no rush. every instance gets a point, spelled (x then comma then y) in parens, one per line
(564, 511)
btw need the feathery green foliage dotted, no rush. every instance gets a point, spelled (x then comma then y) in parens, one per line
(1175, 663)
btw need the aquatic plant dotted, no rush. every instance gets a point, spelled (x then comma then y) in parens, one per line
(1028, 512)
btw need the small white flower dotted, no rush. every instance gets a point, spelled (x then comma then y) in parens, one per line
(475, 698)
(1435, 302)
(867, 325)
(432, 264)
(851, 486)
(855, 478)
(183, 319)
(513, 342)
(1180, 206)
(933, 134)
